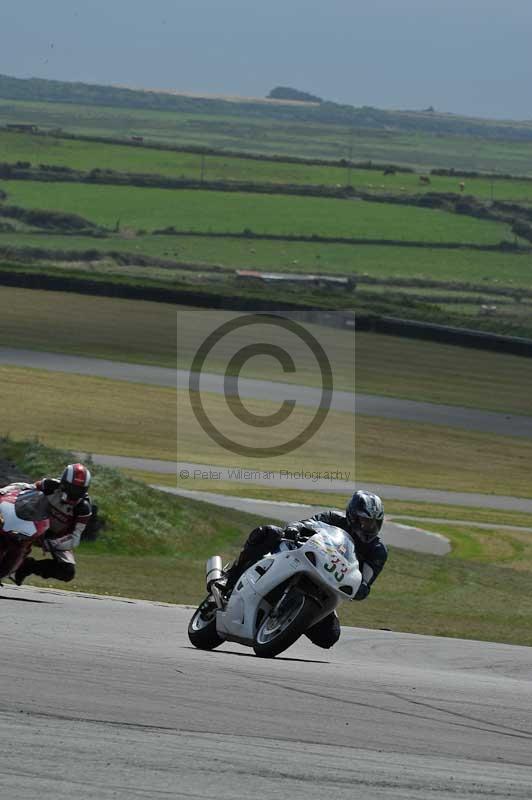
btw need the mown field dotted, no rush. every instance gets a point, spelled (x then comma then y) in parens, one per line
(120, 418)
(480, 591)
(143, 332)
(86, 155)
(196, 211)
(249, 133)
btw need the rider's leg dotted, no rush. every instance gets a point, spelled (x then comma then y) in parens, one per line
(260, 541)
(326, 632)
(61, 567)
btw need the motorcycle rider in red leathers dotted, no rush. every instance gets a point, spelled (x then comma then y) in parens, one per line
(70, 511)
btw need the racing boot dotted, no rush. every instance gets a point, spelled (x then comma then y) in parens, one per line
(25, 569)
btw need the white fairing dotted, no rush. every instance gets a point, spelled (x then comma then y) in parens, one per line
(335, 574)
(14, 524)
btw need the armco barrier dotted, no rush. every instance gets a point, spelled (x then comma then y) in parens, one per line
(411, 329)
(482, 340)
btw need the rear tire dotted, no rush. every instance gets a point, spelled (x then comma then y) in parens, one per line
(202, 627)
(276, 635)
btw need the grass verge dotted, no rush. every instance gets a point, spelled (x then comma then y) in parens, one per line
(139, 521)
(448, 596)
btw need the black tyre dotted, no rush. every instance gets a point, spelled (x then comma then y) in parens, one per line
(277, 632)
(202, 627)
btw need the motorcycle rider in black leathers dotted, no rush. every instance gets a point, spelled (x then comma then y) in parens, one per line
(362, 520)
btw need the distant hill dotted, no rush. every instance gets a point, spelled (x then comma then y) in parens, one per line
(322, 113)
(287, 93)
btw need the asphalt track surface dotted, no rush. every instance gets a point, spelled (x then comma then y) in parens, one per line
(386, 490)
(373, 405)
(105, 699)
(405, 537)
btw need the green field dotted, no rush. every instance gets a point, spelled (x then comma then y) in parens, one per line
(247, 132)
(86, 155)
(143, 332)
(129, 215)
(459, 265)
(189, 210)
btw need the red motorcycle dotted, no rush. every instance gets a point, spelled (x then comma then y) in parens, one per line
(23, 521)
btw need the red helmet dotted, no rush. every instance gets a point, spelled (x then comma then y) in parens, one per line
(75, 482)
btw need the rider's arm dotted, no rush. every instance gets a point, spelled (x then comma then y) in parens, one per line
(11, 486)
(47, 485)
(372, 559)
(301, 531)
(335, 518)
(80, 522)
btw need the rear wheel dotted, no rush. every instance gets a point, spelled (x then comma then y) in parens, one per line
(285, 623)
(202, 627)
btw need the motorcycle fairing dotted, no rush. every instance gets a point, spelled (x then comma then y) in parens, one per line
(14, 523)
(238, 621)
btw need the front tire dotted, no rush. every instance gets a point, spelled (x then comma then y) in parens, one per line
(202, 631)
(277, 633)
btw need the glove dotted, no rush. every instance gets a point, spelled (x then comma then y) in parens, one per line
(291, 533)
(61, 543)
(298, 532)
(363, 591)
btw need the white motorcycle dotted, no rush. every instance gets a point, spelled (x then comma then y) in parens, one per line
(281, 596)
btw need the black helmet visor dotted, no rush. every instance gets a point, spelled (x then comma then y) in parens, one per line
(366, 528)
(74, 492)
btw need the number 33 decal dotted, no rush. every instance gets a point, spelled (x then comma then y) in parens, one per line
(334, 566)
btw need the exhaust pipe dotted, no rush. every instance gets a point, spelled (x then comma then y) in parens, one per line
(213, 571)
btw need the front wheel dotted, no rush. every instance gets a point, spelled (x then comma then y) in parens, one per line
(285, 623)
(202, 627)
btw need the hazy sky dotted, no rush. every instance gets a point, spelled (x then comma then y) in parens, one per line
(464, 56)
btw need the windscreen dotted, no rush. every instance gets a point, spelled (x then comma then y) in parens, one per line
(336, 539)
(31, 505)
